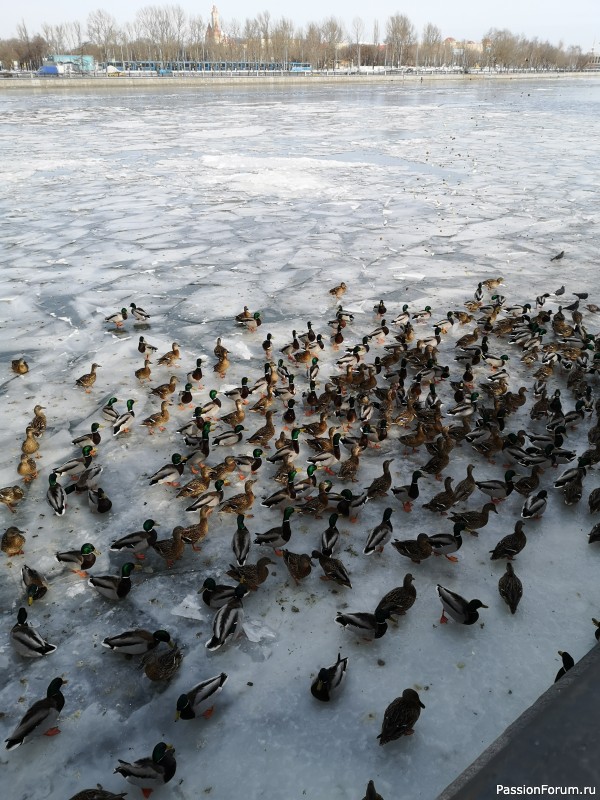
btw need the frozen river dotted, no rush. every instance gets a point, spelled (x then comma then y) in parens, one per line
(194, 204)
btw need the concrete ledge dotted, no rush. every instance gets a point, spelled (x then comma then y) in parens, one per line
(210, 80)
(554, 742)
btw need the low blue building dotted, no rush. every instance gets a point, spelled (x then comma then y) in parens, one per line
(72, 63)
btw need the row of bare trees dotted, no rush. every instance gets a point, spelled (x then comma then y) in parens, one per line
(167, 33)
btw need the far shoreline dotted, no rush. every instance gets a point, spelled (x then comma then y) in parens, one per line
(209, 80)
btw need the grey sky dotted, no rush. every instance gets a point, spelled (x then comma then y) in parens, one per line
(573, 22)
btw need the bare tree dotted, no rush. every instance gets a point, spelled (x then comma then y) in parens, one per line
(282, 38)
(102, 31)
(314, 47)
(431, 45)
(358, 32)
(333, 35)
(400, 33)
(196, 34)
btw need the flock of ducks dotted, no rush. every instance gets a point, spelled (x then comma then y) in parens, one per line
(385, 397)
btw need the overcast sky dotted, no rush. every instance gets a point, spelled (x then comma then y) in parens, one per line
(569, 21)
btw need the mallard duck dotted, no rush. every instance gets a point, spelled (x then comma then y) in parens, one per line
(12, 542)
(498, 490)
(330, 536)
(91, 439)
(326, 459)
(299, 565)
(535, 505)
(235, 417)
(190, 703)
(161, 666)
(442, 501)
(83, 559)
(409, 493)
(509, 546)
(164, 390)
(109, 412)
(252, 323)
(19, 366)
(416, 549)
(137, 642)
(41, 717)
(473, 520)
(26, 640)
(10, 496)
(249, 464)
(400, 717)
(372, 793)
(138, 313)
(230, 438)
(251, 575)
(138, 541)
(169, 473)
(201, 448)
(240, 503)
(424, 315)
(217, 595)
(35, 584)
(397, 601)
(240, 543)
(123, 421)
(171, 549)
(568, 663)
(263, 435)
(210, 499)
(380, 486)
(277, 537)
(192, 534)
(144, 373)
(159, 419)
(118, 318)
(284, 495)
(458, 608)
(150, 773)
(333, 568)
(329, 679)
(89, 379)
(171, 356)
(114, 588)
(243, 316)
(98, 500)
(444, 544)
(193, 428)
(227, 624)
(75, 466)
(348, 504)
(380, 535)
(525, 486)
(289, 448)
(510, 588)
(338, 291)
(594, 501)
(223, 468)
(212, 406)
(369, 626)
(30, 444)
(349, 468)
(317, 505)
(39, 422)
(222, 364)
(145, 347)
(465, 488)
(264, 402)
(195, 376)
